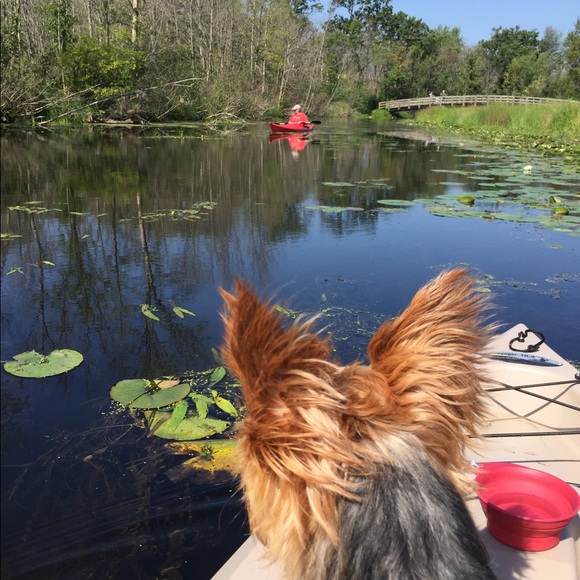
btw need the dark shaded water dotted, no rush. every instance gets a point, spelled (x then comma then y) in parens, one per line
(97, 223)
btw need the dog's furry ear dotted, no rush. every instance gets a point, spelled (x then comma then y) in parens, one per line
(445, 320)
(430, 356)
(258, 349)
(292, 449)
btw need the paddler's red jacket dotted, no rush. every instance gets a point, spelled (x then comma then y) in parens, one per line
(298, 118)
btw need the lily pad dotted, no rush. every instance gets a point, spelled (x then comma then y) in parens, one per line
(466, 199)
(210, 459)
(332, 209)
(142, 394)
(224, 404)
(396, 202)
(178, 414)
(338, 183)
(202, 404)
(217, 376)
(148, 311)
(33, 365)
(189, 429)
(560, 211)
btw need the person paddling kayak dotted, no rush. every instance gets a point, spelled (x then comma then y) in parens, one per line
(297, 115)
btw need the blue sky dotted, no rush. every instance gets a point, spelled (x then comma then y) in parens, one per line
(476, 18)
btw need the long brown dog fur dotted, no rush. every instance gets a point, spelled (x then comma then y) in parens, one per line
(315, 429)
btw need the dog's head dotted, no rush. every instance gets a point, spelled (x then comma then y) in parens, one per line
(315, 429)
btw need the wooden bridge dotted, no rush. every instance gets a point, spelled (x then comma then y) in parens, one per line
(463, 101)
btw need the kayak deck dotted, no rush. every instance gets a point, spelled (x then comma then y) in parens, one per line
(534, 419)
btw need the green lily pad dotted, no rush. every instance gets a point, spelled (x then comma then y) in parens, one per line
(332, 209)
(208, 460)
(179, 413)
(217, 376)
(396, 202)
(224, 404)
(450, 171)
(33, 365)
(189, 429)
(338, 183)
(142, 394)
(466, 199)
(560, 211)
(202, 404)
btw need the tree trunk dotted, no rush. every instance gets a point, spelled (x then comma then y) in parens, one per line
(134, 20)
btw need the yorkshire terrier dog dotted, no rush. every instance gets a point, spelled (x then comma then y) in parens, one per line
(358, 472)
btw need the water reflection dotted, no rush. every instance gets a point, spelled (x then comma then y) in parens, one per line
(297, 141)
(98, 223)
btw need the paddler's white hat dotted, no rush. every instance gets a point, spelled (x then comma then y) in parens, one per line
(296, 107)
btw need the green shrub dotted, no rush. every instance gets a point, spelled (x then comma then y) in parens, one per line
(381, 115)
(103, 69)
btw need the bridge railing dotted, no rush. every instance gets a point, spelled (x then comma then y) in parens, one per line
(464, 100)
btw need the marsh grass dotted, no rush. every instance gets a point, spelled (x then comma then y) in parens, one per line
(558, 120)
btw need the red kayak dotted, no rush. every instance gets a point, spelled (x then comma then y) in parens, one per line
(291, 127)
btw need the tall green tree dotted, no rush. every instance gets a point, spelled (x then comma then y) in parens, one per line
(441, 65)
(60, 23)
(572, 56)
(505, 45)
(194, 59)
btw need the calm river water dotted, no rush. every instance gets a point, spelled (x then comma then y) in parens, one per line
(103, 228)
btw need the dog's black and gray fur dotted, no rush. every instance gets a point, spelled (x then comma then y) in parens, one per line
(412, 525)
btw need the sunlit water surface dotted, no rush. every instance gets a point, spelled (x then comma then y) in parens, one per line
(97, 223)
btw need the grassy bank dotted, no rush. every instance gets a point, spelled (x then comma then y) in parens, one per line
(554, 128)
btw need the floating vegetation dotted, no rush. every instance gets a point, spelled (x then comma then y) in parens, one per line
(390, 209)
(147, 310)
(560, 211)
(451, 171)
(190, 428)
(566, 277)
(338, 184)
(488, 283)
(192, 214)
(34, 365)
(332, 209)
(7, 236)
(31, 209)
(466, 199)
(184, 408)
(518, 187)
(286, 311)
(378, 182)
(544, 193)
(181, 312)
(396, 202)
(189, 409)
(210, 461)
(144, 394)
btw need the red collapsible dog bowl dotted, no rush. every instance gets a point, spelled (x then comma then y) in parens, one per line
(525, 508)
